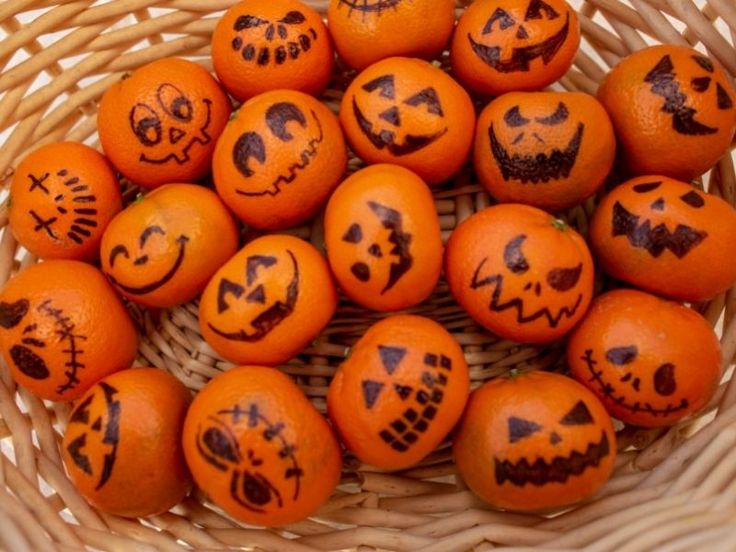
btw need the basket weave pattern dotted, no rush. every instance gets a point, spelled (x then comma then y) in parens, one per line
(672, 488)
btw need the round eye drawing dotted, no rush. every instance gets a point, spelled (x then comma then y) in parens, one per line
(175, 103)
(146, 125)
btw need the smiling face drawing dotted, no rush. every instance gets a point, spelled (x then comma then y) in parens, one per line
(649, 374)
(158, 251)
(504, 45)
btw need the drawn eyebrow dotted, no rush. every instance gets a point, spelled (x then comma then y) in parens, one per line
(155, 229)
(118, 250)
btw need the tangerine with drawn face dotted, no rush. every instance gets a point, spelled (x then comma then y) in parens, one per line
(409, 113)
(650, 361)
(61, 200)
(502, 46)
(400, 392)
(520, 273)
(534, 441)
(163, 249)
(262, 45)
(122, 445)
(59, 321)
(279, 159)
(383, 238)
(268, 302)
(674, 111)
(551, 150)
(159, 125)
(367, 31)
(259, 449)
(663, 236)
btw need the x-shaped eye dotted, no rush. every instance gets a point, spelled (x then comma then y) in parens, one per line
(519, 428)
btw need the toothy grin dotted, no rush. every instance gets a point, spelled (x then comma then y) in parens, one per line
(263, 56)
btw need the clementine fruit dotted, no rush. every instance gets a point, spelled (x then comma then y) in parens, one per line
(506, 45)
(279, 159)
(159, 125)
(366, 31)
(262, 45)
(650, 361)
(259, 449)
(163, 249)
(61, 200)
(664, 236)
(268, 302)
(520, 272)
(400, 392)
(551, 150)
(673, 110)
(408, 112)
(122, 446)
(534, 441)
(62, 329)
(383, 238)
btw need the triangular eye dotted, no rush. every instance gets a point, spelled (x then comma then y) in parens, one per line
(578, 415)
(429, 97)
(520, 428)
(258, 295)
(514, 118)
(504, 20)
(535, 9)
(622, 355)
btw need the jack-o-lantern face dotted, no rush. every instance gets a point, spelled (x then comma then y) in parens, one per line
(263, 41)
(678, 95)
(157, 252)
(386, 132)
(263, 45)
(249, 485)
(534, 441)
(409, 113)
(651, 376)
(159, 124)
(665, 83)
(371, 227)
(266, 304)
(534, 41)
(658, 233)
(562, 141)
(93, 433)
(279, 159)
(400, 392)
(532, 276)
(268, 301)
(174, 122)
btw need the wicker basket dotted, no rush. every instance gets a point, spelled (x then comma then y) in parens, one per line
(673, 489)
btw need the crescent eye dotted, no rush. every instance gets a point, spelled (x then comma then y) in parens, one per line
(148, 232)
(513, 257)
(558, 117)
(514, 118)
(564, 279)
(118, 250)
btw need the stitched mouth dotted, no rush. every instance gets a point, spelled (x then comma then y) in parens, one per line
(610, 393)
(280, 54)
(386, 139)
(654, 240)
(305, 159)
(365, 7)
(559, 470)
(148, 288)
(517, 304)
(540, 167)
(521, 57)
(265, 322)
(202, 140)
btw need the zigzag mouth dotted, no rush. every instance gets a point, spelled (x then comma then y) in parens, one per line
(305, 159)
(540, 167)
(559, 470)
(654, 240)
(521, 57)
(496, 305)
(609, 392)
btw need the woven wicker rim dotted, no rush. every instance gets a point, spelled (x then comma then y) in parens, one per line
(673, 489)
